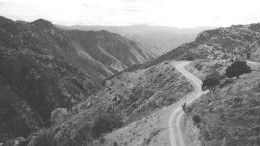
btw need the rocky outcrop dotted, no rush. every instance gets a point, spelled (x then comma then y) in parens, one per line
(15, 142)
(58, 115)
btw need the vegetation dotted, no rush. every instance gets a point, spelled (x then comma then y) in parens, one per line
(226, 82)
(105, 123)
(237, 68)
(211, 81)
(196, 119)
(230, 116)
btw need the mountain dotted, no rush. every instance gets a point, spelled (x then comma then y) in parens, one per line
(240, 41)
(43, 67)
(159, 39)
(111, 49)
(128, 98)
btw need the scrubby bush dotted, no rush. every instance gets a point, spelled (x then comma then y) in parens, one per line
(211, 81)
(196, 119)
(115, 144)
(105, 123)
(237, 68)
(198, 66)
(216, 66)
(188, 57)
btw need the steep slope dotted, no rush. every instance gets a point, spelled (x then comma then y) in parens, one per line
(159, 39)
(33, 85)
(43, 67)
(241, 41)
(112, 49)
(230, 115)
(127, 98)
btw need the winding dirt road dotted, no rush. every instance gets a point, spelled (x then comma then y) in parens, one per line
(174, 122)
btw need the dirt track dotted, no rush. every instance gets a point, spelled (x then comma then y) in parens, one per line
(175, 134)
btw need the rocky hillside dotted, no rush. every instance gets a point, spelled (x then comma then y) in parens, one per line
(240, 41)
(230, 115)
(127, 98)
(33, 85)
(112, 50)
(43, 67)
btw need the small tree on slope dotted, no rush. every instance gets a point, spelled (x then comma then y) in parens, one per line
(211, 81)
(237, 68)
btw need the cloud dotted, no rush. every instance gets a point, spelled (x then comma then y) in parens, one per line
(176, 13)
(2, 4)
(133, 10)
(91, 6)
(133, 1)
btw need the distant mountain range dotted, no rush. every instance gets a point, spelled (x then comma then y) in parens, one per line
(159, 38)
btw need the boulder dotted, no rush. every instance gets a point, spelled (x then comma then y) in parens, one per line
(58, 115)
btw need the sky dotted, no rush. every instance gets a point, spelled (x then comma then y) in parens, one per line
(173, 13)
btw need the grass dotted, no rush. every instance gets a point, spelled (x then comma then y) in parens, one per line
(231, 118)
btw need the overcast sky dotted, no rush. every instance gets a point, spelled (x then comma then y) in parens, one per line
(175, 13)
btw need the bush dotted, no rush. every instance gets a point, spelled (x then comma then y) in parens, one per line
(211, 81)
(115, 144)
(105, 123)
(188, 57)
(196, 119)
(198, 66)
(237, 68)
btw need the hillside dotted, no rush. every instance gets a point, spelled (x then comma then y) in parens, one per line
(240, 41)
(158, 38)
(43, 67)
(230, 115)
(112, 50)
(129, 98)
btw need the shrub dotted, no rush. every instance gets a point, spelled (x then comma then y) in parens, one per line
(198, 66)
(188, 57)
(105, 123)
(237, 68)
(216, 66)
(196, 119)
(211, 81)
(115, 144)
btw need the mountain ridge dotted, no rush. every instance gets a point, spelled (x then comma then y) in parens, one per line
(156, 37)
(43, 67)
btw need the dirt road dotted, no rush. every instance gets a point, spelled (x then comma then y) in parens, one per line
(174, 122)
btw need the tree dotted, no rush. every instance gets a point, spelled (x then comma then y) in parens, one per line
(211, 81)
(237, 68)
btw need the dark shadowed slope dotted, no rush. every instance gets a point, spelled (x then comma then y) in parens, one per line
(43, 67)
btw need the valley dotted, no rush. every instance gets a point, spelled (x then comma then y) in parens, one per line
(62, 86)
